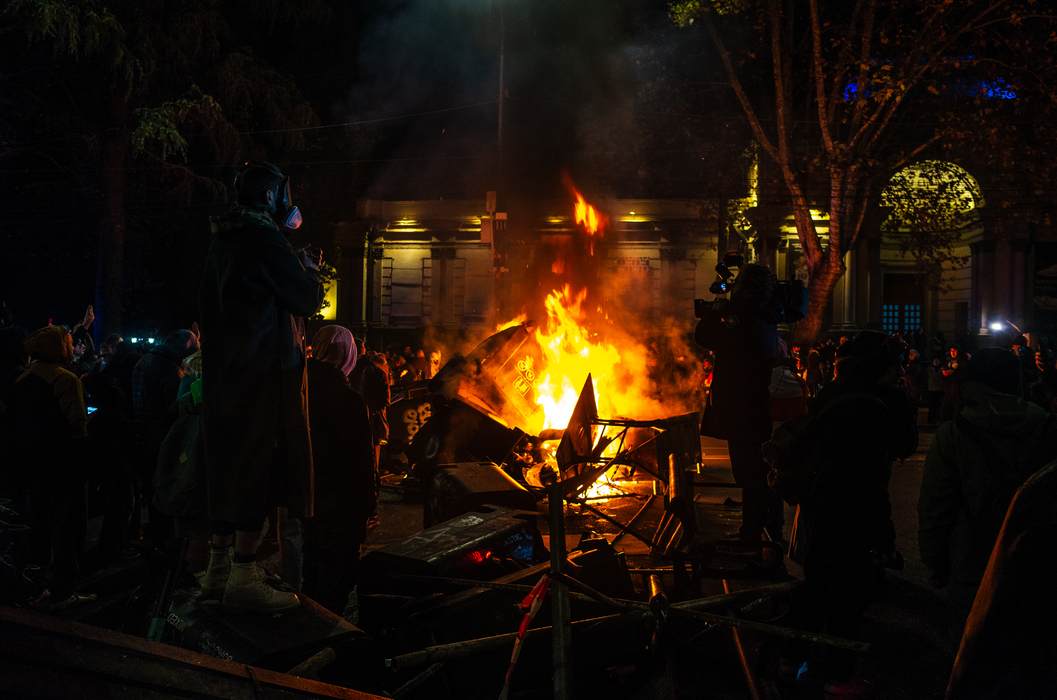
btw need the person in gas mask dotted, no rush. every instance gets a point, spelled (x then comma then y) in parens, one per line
(742, 335)
(255, 291)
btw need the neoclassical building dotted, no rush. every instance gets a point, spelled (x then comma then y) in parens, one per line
(934, 255)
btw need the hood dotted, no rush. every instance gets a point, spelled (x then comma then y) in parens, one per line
(50, 344)
(335, 345)
(1002, 415)
(241, 218)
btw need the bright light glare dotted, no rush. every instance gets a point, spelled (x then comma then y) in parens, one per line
(997, 325)
(150, 341)
(134, 340)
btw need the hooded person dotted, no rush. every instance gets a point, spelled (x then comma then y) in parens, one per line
(974, 465)
(256, 289)
(50, 423)
(344, 463)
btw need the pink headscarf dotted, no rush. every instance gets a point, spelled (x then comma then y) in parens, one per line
(335, 346)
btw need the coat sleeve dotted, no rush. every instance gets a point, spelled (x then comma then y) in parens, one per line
(70, 393)
(298, 289)
(940, 502)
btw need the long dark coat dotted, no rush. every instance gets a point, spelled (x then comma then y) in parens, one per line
(255, 400)
(739, 405)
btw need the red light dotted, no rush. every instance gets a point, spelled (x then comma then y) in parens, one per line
(480, 556)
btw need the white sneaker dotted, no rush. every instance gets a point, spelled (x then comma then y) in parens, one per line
(246, 591)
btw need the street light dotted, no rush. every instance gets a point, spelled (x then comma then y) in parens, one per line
(997, 326)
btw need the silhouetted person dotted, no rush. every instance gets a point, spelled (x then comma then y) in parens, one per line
(743, 336)
(974, 465)
(343, 453)
(1009, 646)
(861, 423)
(50, 423)
(255, 290)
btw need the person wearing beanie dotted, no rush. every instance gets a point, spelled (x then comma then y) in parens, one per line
(974, 465)
(50, 422)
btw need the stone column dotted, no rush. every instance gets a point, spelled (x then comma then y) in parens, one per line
(844, 297)
(983, 290)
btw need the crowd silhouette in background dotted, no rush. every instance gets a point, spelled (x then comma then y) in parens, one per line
(114, 438)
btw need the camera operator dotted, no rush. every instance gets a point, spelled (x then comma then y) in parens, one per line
(255, 291)
(742, 333)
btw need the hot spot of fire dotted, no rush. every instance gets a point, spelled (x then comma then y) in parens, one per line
(571, 350)
(584, 214)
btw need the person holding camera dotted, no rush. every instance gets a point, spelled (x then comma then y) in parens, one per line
(255, 290)
(743, 337)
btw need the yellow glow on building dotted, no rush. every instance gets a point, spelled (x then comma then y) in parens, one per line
(555, 219)
(931, 194)
(330, 308)
(817, 215)
(633, 218)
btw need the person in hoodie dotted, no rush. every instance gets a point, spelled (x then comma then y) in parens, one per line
(974, 466)
(256, 290)
(343, 453)
(50, 423)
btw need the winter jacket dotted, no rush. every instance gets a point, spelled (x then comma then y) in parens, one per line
(860, 429)
(1009, 647)
(343, 451)
(974, 466)
(254, 292)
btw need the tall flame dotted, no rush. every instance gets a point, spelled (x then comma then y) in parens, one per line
(585, 214)
(571, 352)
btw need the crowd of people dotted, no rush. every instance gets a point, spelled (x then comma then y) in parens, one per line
(821, 428)
(246, 420)
(202, 441)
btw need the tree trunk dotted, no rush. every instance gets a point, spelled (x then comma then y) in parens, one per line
(110, 254)
(819, 295)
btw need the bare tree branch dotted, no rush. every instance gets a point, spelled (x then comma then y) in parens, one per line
(820, 80)
(739, 91)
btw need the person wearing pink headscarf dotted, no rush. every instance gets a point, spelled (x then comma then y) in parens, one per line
(335, 345)
(343, 452)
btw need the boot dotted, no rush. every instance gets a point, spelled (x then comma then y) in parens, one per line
(214, 579)
(246, 591)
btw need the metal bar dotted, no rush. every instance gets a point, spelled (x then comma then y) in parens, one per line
(418, 680)
(713, 619)
(743, 658)
(561, 639)
(635, 518)
(469, 647)
(613, 521)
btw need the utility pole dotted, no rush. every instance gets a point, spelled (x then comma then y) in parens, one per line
(500, 97)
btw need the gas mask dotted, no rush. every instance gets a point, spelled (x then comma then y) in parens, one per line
(286, 214)
(265, 183)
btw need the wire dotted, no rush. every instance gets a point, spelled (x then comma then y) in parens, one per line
(342, 125)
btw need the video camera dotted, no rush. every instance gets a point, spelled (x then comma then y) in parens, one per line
(788, 302)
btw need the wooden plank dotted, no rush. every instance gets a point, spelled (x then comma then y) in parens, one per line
(41, 656)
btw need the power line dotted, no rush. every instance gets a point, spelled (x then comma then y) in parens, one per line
(395, 117)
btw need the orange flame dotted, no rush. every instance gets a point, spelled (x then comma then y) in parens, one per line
(584, 214)
(570, 351)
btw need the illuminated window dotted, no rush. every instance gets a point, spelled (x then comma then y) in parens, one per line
(900, 317)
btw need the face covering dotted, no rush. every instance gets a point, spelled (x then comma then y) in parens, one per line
(287, 215)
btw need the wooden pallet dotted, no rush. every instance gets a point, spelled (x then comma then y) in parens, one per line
(45, 657)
